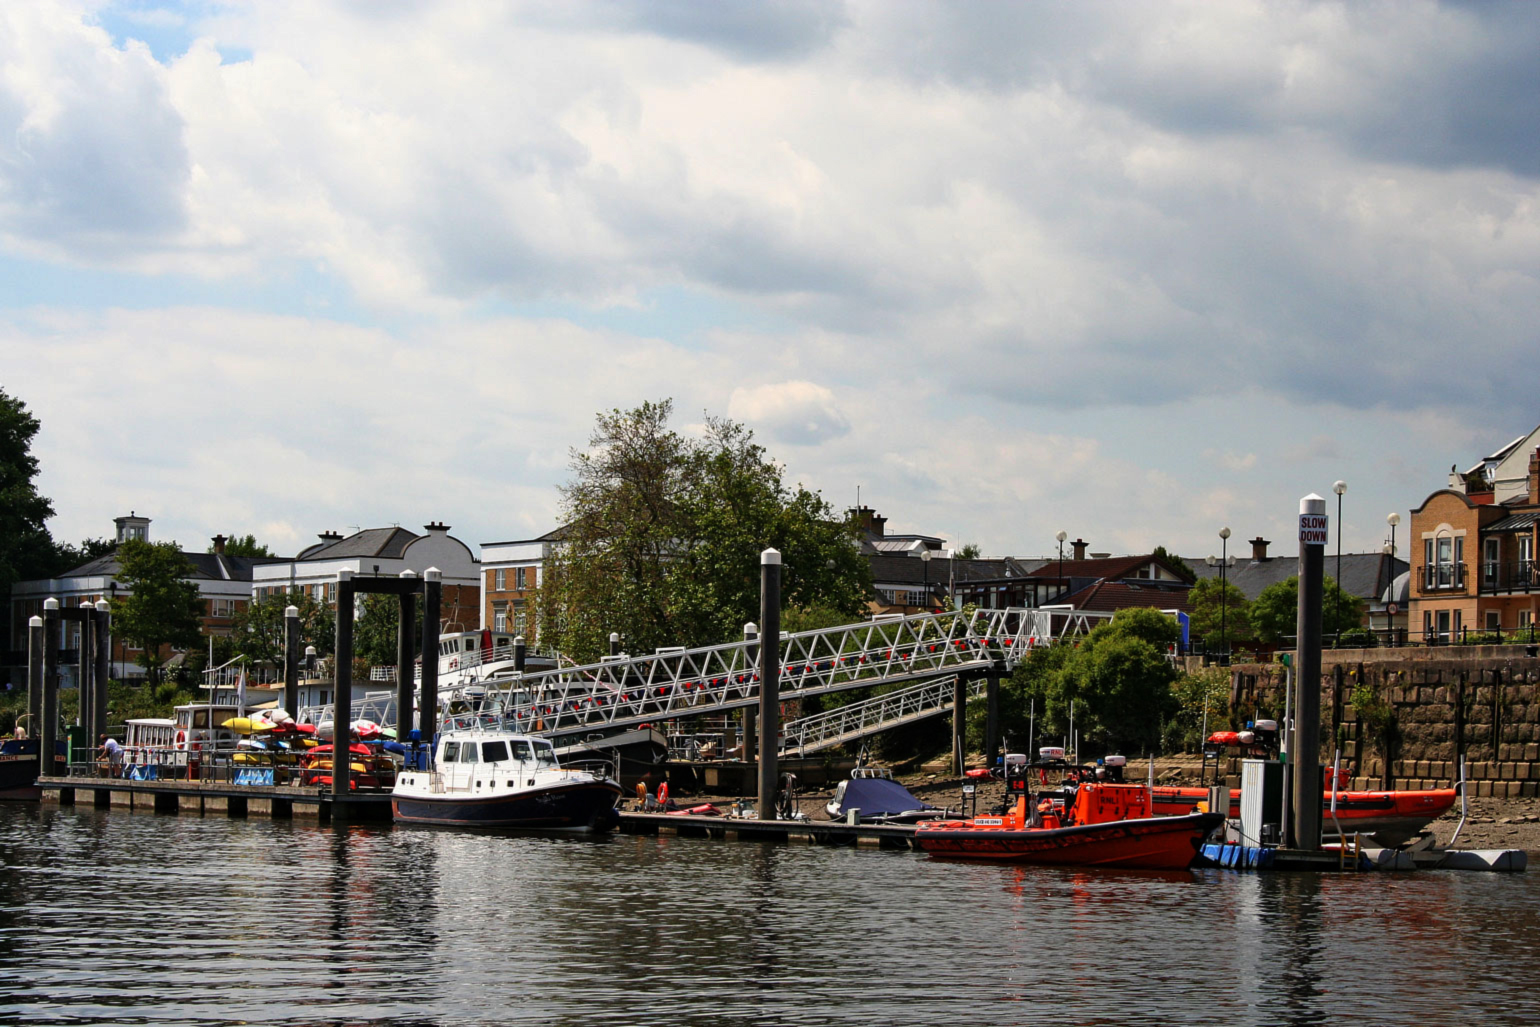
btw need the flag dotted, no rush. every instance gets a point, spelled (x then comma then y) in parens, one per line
(240, 691)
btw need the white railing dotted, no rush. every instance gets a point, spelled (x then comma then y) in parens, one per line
(848, 723)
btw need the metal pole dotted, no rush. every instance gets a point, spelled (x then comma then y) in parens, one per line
(406, 655)
(85, 660)
(769, 678)
(102, 622)
(614, 643)
(520, 654)
(35, 647)
(291, 632)
(1305, 752)
(427, 700)
(750, 720)
(342, 690)
(48, 714)
(959, 723)
(991, 718)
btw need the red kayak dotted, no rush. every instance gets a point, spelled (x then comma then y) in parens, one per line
(1105, 825)
(1393, 818)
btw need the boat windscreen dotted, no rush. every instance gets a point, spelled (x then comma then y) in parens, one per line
(494, 752)
(875, 796)
(545, 754)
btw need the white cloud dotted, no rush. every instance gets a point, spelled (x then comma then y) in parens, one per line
(801, 413)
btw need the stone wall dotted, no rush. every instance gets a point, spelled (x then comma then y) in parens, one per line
(1480, 703)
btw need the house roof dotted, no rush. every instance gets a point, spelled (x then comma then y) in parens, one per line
(910, 570)
(385, 543)
(554, 535)
(1138, 593)
(1110, 567)
(1514, 522)
(209, 566)
(1365, 575)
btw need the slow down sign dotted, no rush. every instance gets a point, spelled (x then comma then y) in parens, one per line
(1312, 529)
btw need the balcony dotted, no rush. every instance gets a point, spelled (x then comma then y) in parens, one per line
(1443, 577)
(1518, 576)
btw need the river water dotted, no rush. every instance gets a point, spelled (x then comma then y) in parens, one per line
(136, 918)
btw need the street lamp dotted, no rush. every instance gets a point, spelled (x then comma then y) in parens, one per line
(1061, 536)
(1224, 599)
(925, 559)
(1339, 488)
(1393, 518)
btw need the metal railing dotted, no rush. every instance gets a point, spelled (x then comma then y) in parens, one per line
(1517, 576)
(872, 716)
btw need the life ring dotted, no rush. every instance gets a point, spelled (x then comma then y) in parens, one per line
(181, 739)
(663, 794)
(454, 663)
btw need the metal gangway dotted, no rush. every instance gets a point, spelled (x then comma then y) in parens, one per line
(630, 691)
(820, 731)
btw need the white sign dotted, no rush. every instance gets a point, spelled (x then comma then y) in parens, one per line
(1312, 529)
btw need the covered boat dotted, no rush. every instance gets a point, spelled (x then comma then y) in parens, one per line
(498, 778)
(1097, 823)
(878, 799)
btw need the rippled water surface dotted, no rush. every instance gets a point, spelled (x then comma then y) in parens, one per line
(117, 917)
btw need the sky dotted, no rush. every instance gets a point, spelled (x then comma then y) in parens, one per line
(1134, 271)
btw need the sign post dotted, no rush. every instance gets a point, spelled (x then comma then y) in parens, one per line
(1304, 748)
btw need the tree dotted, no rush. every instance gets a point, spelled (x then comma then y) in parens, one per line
(257, 631)
(1275, 612)
(1118, 678)
(26, 548)
(163, 608)
(68, 557)
(969, 551)
(243, 545)
(376, 637)
(1175, 562)
(1220, 616)
(665, 533)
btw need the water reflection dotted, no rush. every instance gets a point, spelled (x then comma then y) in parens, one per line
(139, 918)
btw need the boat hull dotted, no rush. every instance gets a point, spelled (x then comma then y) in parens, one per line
(1151, 843)
(572, 806)
(640, 753)
(1392, 818)
(18, 770)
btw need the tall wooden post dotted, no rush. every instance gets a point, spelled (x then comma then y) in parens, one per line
(769, 678)
(406, 656)
(342, 691)
(1305, 750)
(101, 620)
(291, 640)
(427, 700)
(48, 715)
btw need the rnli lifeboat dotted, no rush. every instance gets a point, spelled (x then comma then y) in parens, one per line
(1097, 823)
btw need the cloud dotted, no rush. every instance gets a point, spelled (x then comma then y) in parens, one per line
(800, 413)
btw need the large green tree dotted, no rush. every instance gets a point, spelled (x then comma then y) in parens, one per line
(1275, 611)
(665, 533)
(375, 629)
(1221, 615)
(26, 548)
(163, 608)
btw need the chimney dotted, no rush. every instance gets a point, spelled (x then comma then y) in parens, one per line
(1259, 549)
(867, 519)
(435, 526)
(219, 544)
(1456, 479)
(1534, 476)
(1079, 547)
(330, 537)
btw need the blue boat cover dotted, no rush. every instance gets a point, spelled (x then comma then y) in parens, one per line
(876, 796)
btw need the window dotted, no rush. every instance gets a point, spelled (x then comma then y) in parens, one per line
(521, 577)
(500, 617)
(451, 752)
(1429, 565)
(1489, 555)
(520, 622)
(1524, 618)
(468, 752)
(521, 750)
(331, 591)
(1494, 620)
(1457, 624)
(494, 752)
(499, 580)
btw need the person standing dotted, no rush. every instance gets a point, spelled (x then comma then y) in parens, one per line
(111, 756)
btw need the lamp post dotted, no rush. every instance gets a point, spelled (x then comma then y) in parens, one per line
(1061, 536)
(1224, 599)
(1393, 518)
(925, 559)
(1339, 488)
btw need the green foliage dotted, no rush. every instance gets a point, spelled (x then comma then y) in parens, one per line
(1175, 562)
(1118, 677)
(969, 551)
(26, 548)
(244, 545)
(1356, 638)
(1483, 638)
(376, 630)
(1202, 697)
(162, 609)
(1215, 608)
(664, 538)
(1275, 612)
(1377, 717)
(257, 630)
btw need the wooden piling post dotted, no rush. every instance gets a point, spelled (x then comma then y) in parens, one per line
(342, 690)
(769, 678)
(427, 700)
(406, 655)
(1305, 750)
